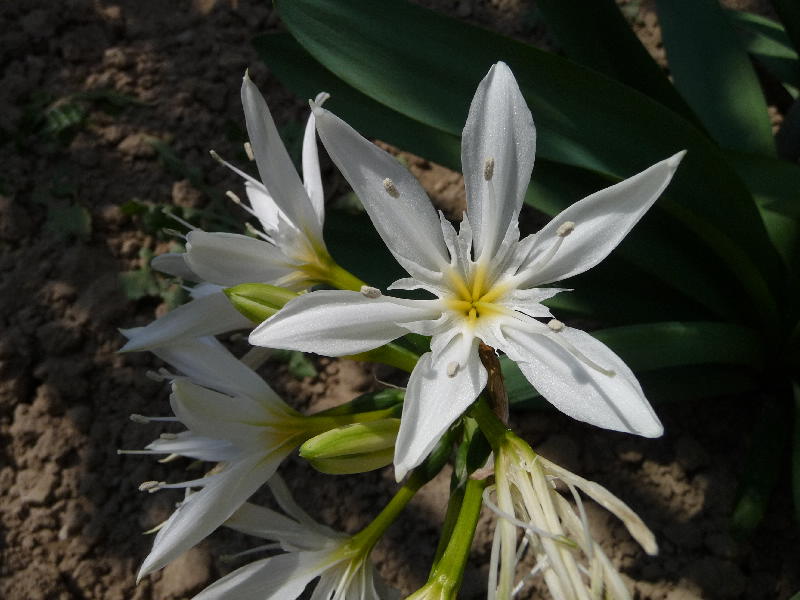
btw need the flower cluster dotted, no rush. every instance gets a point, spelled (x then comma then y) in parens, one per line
(486, 290)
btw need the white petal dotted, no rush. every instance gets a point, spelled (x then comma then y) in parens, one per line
(274, 165)
(263, 206)
(434, 400)
(282, 577)
(174, 263)
(208, 315)
(499, 128)
(407, 223)
(576, 388)
(187, 443)
(204, 511)
(338, 323)
(268, 524)
(231, 259)
(601, 221)
(237, 419)
(312, 178)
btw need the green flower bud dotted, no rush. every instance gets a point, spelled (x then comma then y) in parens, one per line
(258, 301)
(354, 448)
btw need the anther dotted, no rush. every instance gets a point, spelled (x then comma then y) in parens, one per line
(488, 169)
(391, 188)
(150, 486)
(370, 292)
(565, 229)
(141, 419)
(452, 369)
(234, 197)
(248, 149)
(173, 232)
(555, 325)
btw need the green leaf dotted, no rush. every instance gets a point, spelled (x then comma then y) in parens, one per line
(138, 284)
(762, 467)
(664, 347)
(432, 81)
(767, 42)
(299, 366)
(789, 13)
(712, 71)
(599, 36)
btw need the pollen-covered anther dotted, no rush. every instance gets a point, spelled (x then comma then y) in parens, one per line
(555, 325)
(141, 419)
(233, 197)
(370, 292)
(391, 188)
(488, 169)
(452, 369)
(248, 149)
(565, 229)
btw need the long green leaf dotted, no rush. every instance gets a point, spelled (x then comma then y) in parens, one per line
(599, 37)
(663, 347)
(766, 41)
(712, 71)
(617, 132)
(789, 13)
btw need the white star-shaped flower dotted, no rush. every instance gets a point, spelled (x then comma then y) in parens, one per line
(487, 282)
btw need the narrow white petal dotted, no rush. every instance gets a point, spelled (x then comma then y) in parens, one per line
(578, 389)
(337, 323)
(274, 165)
(205, 510)
(268, 524)
(237, 419)
(263, 206)
(282, 577)
(207, 315)
(404, 218)
(601, 222)
(187, 443)
(312, 178)
(174, 263)
(434, 400)
(231, 259)
(499, 128)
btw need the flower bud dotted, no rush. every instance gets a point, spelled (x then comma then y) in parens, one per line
(354, 448)
(258, 301)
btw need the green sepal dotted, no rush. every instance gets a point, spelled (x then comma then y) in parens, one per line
(258, 301)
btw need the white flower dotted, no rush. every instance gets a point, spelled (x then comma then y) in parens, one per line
(486, 281)
(289, 251)
(234, 419)
(571, 563)
(311, 551)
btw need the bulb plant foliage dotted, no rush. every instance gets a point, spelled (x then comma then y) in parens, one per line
(484, 289)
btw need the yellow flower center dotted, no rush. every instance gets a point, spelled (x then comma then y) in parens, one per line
(476, 296)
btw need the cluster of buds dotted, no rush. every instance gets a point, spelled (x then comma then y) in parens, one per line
(486, 290)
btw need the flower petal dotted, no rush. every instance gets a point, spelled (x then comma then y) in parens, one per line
(211, 314)
(231, 259)
(174, 263)
(601, 222)
(499, 128)
(338, 323)
(238, 419)
(282, 577)
(561, 371)
(274, 165)
(186, 443)
(271, 525)
(263, 206)
(434, 400)
(401, 212)
(312, 178)
(205, 510)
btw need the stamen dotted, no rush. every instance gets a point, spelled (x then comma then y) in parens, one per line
(488, 169)
(150, 486)
(175, 217)
(248, 149)
(229, 558)
(238, 201)
(370, 292)
(391, 188)
(512, 519)
(452, 369)
(555, 325)
(236, 170)
(565, 229)
(173, 232)
(258, 233)
(136, 418)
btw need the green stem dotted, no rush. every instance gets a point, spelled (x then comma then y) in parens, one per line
(369, 536)
(341, 278)
(391, 354)
(449, 571)
(491, 426)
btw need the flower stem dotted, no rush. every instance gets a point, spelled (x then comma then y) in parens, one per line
(492, 427)
(341, 278)
(369, 536)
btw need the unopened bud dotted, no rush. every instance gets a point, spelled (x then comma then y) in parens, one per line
(258, 301)
(354, 448)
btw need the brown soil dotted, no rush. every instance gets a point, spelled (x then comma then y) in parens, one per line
(71, 517)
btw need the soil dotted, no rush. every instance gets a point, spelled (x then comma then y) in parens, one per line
(71, 517)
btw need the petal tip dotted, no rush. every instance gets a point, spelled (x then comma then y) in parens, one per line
(674, 160)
